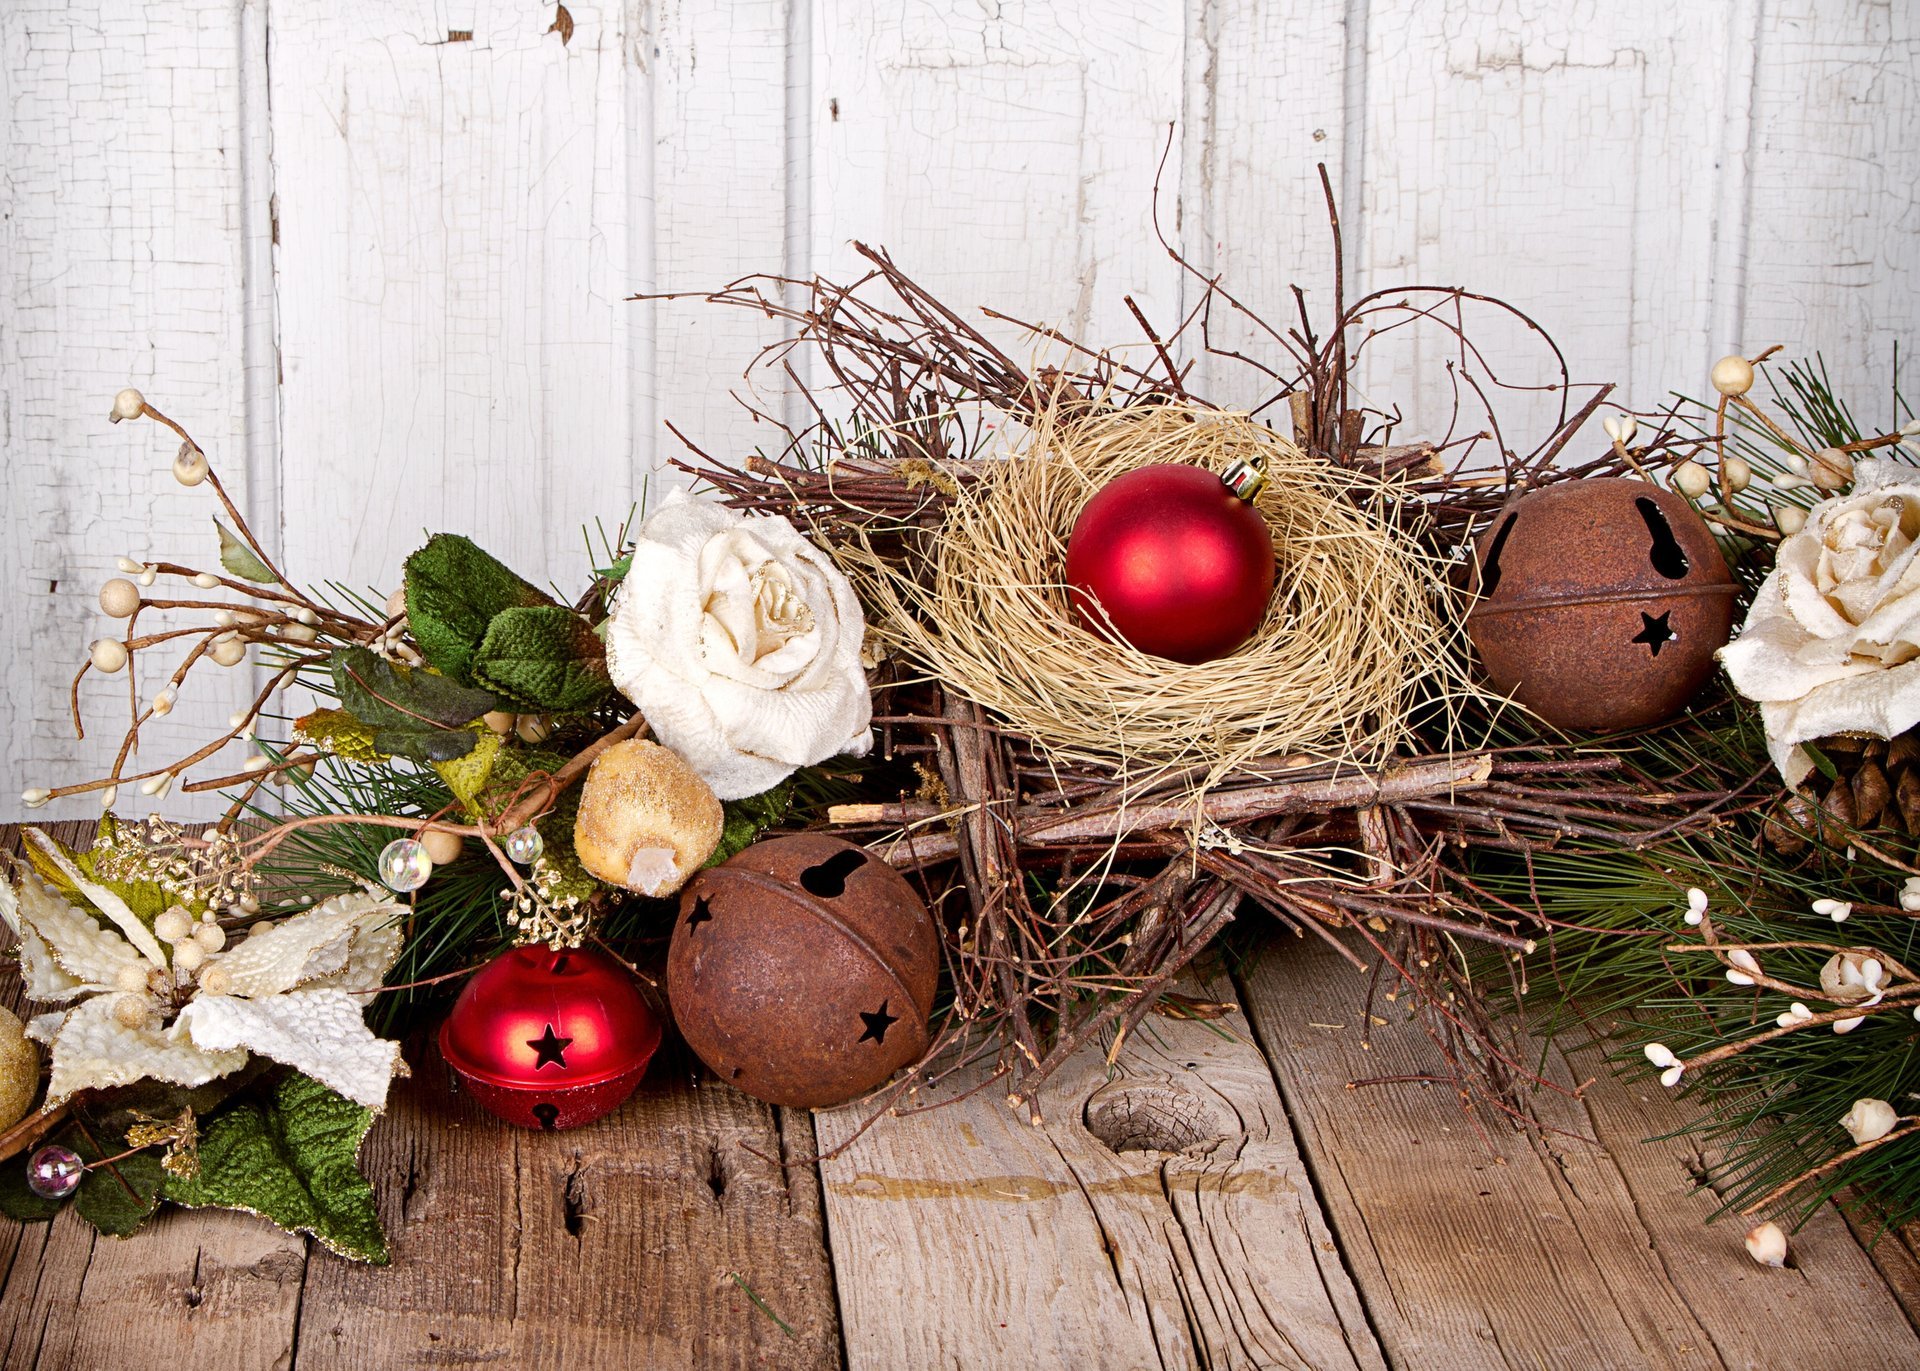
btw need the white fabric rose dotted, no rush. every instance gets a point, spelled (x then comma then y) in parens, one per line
(740, 642)
(1832, 643)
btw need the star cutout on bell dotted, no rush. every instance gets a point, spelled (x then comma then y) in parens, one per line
(702, 912)
(878, 1022)
(1655, 631)
(551, 1049)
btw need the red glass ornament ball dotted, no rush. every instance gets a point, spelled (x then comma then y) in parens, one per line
(1181, 566)
(548, 1039)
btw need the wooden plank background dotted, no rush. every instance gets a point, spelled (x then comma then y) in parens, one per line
(376, 255)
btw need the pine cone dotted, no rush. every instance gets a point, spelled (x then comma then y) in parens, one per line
(1877, 790)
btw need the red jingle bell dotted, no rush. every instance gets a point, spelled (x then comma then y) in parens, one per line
(548, 1039)
(1175, 559)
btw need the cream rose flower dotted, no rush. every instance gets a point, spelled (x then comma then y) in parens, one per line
(740, 642)
(1832, 643)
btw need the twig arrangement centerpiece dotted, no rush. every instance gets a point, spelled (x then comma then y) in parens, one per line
(892, 746)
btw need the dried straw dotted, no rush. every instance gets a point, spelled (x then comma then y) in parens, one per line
(1355, 639)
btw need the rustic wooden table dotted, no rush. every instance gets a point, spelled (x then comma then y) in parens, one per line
(1224, 1198)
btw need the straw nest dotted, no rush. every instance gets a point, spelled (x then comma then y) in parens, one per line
(1355, 639)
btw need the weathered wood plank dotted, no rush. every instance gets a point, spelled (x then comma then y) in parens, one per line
(1496, 1248)
(217, 1289)
(725, 166)
(120, 264)
(1161, 1218)
(615, 1244)
(1828, 258)
(1006, 156)
(455, 227)
(1564, 160)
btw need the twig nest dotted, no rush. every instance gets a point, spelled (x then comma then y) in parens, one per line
(19, 1070)
(647, 821)
(1352, 639)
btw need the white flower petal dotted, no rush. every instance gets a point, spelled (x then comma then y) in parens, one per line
(92, 1050)
(1671, 1076)
(1659, 1054)
(1832, 641)
(740, 641)
(315, 945)
(321, 1033)
(102, 898)
(64, 951)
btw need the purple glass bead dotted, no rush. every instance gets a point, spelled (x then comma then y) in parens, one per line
(54, 1172)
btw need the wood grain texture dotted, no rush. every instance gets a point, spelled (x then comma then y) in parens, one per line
(454, 225)
(614, 1244)
(1474, 1245)
(1004, 153)
(223, 1289)
(722, 177)
(1161, 1218)
(1832, 253)
(1562, 160)
(120, 263)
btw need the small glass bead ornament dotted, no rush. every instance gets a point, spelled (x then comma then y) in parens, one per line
(405, 865)
(525, 845)
(54, 1172)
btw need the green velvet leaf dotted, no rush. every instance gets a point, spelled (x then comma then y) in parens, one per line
(745, 820)
(454, 590)
(241, 560)
(119, 1197)
(412, 712)
(290, 1153)
(543, 657)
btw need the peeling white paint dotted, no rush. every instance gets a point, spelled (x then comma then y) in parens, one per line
(381, 271)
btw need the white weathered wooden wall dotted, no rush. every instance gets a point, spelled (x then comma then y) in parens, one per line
(378, 265)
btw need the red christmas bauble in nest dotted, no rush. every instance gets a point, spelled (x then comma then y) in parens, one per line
(1173, 560)
(548, 1039)
(1602, 602)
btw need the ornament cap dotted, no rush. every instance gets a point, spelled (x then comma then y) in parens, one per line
(1245, 480)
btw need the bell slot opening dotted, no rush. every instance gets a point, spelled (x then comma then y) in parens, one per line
(829, 878)
(1490, 568)
(1667, 556)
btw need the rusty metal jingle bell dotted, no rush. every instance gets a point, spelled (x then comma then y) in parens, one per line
(803, 970)
(1602, 603)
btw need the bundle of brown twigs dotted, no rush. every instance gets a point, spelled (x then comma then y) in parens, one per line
(1077, 891)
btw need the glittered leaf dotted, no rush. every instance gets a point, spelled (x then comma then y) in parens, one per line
(454, 590)
(338, 732)
(240, 560)
(146, 899)
(290, 1154)
(745, 820)
(543, 657)
(468, 776)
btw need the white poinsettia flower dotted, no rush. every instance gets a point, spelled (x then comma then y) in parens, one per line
(1832, 642)
(739, 640)
(286, 993)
